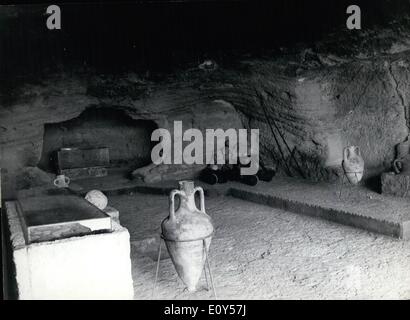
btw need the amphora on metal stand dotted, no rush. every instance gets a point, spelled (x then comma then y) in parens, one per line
(353, 166)
(187, 233)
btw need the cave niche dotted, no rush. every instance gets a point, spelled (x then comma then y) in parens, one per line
(128, 140)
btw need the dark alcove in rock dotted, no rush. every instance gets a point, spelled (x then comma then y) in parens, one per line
(128, 140)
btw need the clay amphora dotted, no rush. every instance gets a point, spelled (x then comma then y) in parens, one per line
(353, 164)
(402, 166)
(185, 232)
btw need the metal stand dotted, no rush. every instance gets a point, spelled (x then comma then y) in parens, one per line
(343, 179)
(206, 265)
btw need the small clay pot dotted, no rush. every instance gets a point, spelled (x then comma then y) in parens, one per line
(61, 181)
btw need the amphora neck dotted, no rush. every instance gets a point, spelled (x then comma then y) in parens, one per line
(188, 196)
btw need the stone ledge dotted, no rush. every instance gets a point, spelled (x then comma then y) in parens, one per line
(371, 211)
(390, 228)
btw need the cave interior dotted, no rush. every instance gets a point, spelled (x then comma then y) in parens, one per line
(115, 73)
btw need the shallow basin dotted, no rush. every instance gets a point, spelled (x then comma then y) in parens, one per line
(52, 217)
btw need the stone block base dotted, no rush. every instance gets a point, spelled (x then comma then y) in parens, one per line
(395, 184)
(94, 266)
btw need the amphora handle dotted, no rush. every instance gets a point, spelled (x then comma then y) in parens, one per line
(172, 203)
(347, 152)
(202, 197)
(397, 165)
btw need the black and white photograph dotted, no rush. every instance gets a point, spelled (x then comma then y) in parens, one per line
(191, 150)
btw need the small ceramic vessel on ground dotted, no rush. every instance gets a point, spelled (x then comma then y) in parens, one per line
(188, 233)
(353, 164)
(61, 181)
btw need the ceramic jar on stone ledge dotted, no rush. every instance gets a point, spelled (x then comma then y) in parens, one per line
(353, 164)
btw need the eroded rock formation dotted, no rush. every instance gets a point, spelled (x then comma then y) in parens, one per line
(308, 104)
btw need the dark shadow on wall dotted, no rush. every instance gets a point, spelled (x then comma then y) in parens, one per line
(9, 290)
(159, 35)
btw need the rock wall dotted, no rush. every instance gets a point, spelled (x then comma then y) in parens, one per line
(128, 140)
(307, 119)
(308, 105)
(24, 113)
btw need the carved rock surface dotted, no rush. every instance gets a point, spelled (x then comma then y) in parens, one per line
(308, 104)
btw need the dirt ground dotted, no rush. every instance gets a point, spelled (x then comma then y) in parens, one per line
(263, 253)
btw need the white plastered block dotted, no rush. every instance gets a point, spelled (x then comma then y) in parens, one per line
(89, 267)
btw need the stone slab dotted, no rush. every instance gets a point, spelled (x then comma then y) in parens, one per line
(358, 207)
(46, 218)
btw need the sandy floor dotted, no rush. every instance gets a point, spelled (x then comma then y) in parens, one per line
(263, 253)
